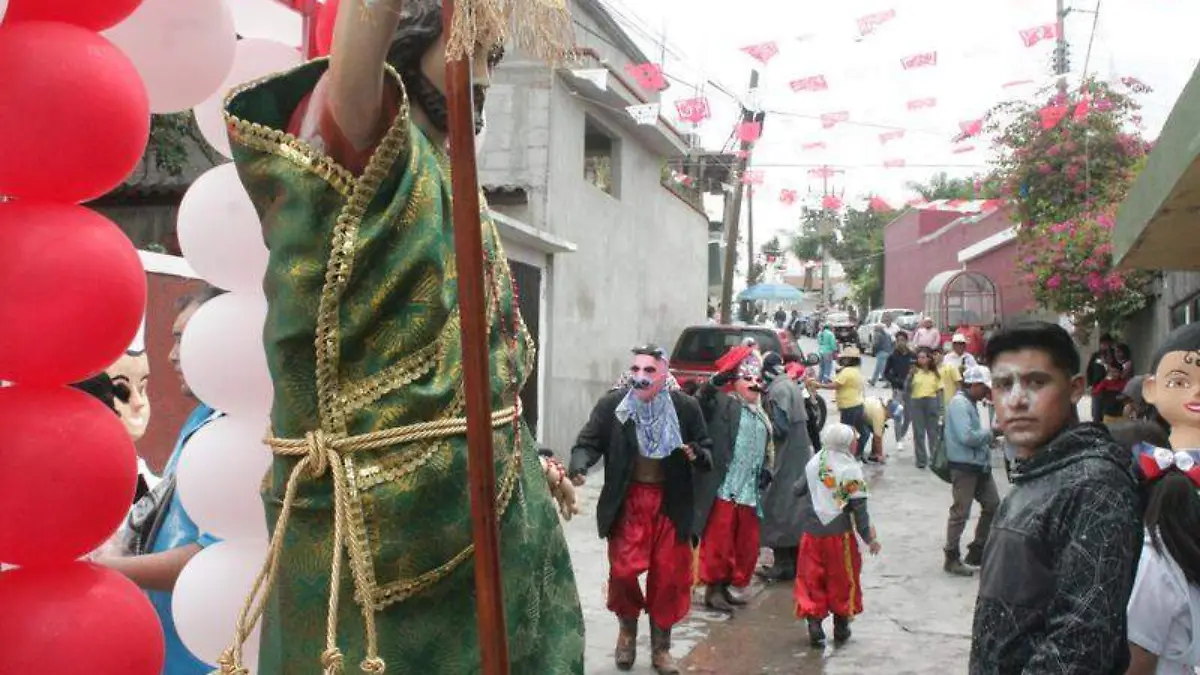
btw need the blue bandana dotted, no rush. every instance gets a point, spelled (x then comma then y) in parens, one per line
(656, 423)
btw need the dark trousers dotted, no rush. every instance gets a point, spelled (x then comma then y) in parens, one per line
(967, 487)
(856, 419)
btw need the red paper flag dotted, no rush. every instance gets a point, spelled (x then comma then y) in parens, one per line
(752, 178)
(922, 60)
(1051, 115)
(811, 83)
(971, 128)
(1081, 110)
(763, 52)
(962, 149)
(1016, 83)
(893, 164)
(878, 204)
(922, 103)
(694, 110)
(831, 202)
(830, 120)
(818, 145)
(648, 76)
(748, 132)
(867, 24)
(821, 172)
(1032, 36)
(889, 136)
(788, 197)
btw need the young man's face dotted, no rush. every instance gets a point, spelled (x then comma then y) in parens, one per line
(181, 322)
(1175, 389)
(1034, 399)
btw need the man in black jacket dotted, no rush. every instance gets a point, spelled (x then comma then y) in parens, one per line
(895, 371)
(651, 439)
(1059, 563)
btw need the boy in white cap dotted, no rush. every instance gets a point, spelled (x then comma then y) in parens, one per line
(957, 355)
(968, 451)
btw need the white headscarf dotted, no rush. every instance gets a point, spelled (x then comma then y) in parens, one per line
(834, 475)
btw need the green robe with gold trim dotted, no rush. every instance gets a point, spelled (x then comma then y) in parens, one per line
(362, 335)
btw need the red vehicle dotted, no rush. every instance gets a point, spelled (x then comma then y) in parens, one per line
(695, 356)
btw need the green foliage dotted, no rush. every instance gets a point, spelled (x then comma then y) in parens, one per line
(1064, 183)
(854, 239)
(942, 186)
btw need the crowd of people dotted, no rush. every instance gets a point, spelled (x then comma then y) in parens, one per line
(1090, 563)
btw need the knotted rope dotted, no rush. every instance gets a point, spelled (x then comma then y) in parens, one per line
(322, 453)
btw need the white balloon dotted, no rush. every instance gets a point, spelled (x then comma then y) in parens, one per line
(182, 50)
(253, 59)
(222, 355)
(209, 596)
(268, 20)
(220, 233)
(219, 476)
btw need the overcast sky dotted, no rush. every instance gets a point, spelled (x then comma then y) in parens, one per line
(979, 50)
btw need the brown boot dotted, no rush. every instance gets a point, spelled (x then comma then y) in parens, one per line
(714, 599)
(626, 651)
(660, 646)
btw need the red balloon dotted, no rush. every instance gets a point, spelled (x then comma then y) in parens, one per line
(326, 17)
(74, 114)
(68, 472)
(77, 618)
(95, 15)
(72, 293)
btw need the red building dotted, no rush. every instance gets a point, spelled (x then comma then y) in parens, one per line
(943, 237)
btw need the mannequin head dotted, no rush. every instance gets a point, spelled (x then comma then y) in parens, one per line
(1173, 386)
(130, 376)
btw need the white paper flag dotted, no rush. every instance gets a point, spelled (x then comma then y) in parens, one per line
(644, 114)
(597, 76)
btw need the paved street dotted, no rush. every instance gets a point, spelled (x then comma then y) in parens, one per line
(917, 619)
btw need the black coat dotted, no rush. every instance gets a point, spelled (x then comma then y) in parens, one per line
(1059, 564)
(604, 436)
(723, 414)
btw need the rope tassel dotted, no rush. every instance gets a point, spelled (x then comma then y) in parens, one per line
(321, 454)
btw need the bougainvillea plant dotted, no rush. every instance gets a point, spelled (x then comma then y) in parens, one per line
(1064, 165)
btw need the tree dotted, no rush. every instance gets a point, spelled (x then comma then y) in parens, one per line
(854, 239)
(1065, 163)
(942, 186)
(173, 139)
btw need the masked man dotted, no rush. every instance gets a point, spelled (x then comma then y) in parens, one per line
(651, 437)
(345, 160)
(729, 498)
(783, 522)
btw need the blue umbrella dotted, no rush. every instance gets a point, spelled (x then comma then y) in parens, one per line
(772, 292)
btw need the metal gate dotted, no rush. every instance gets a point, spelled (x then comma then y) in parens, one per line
(529, 285)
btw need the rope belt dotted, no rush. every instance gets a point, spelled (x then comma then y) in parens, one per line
(320, 453)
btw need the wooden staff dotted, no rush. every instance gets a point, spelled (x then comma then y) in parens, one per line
(468, 255)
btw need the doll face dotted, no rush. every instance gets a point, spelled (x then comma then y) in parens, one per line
(1174, 390)
(130, 376)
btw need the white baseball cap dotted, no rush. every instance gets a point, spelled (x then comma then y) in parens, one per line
(978, 375)
(959, 337)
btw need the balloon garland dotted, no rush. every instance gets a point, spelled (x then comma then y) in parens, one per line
(74, 121)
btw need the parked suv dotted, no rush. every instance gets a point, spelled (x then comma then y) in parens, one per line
(698, 348)
(866, 332)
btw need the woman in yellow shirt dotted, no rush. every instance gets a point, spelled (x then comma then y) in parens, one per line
(850, 392)
(951, 377)
(925, 407)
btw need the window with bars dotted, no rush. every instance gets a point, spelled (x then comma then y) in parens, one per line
(1186, 312)
(601, 158)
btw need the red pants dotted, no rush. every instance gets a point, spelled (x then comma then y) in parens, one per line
(643, 541)
(827, 577)
(729, 547)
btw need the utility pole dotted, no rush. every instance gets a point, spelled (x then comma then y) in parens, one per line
(1061, 66)
(749, 236)
(825, 229)
(733, 214)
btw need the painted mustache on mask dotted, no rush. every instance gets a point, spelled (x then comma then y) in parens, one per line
(641, 383)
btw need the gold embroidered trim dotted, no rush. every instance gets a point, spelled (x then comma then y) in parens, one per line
(284, 145)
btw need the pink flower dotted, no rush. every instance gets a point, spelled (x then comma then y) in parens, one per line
(1054, 282)
(1072, 171)
(1095, 282)
(1115, 282)
(1043, 168)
